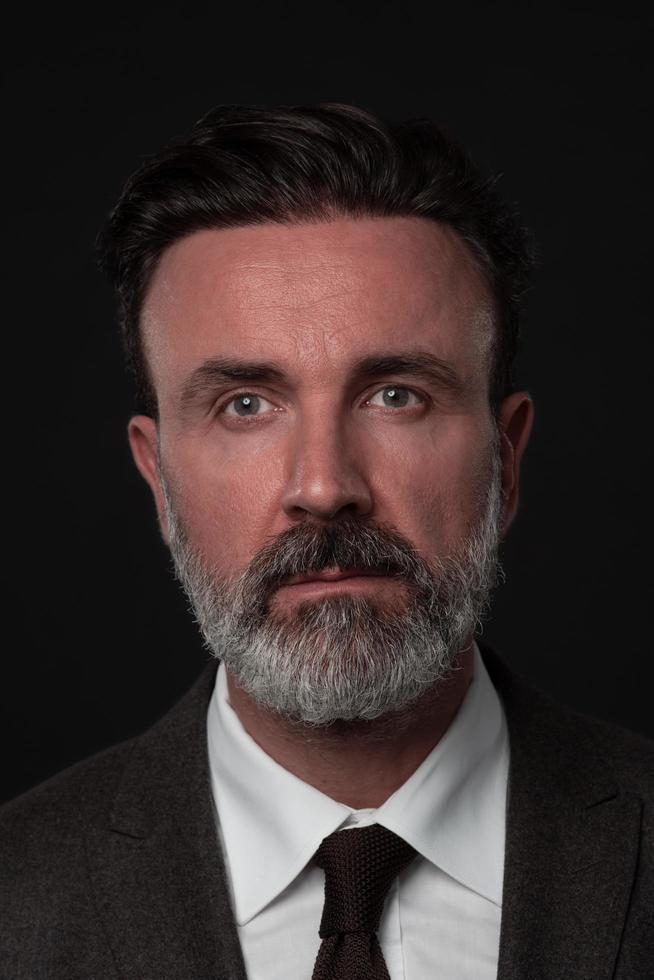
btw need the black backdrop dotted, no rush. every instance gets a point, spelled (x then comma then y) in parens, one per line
(98, 641)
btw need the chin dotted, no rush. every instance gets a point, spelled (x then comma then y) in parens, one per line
(350, 606)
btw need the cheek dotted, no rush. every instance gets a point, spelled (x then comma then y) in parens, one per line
(229, 501)
(430, 488)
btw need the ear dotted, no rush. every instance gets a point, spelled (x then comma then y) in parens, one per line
(515, 419)
(142, 435)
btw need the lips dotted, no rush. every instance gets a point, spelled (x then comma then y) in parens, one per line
(333, 575)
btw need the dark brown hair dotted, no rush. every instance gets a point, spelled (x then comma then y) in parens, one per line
(244, 165)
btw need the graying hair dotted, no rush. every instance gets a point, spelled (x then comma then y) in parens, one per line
(343, 658)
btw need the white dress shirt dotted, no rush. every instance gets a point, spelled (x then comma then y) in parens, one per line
(441, 919)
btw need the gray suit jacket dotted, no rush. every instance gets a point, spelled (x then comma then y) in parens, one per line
(112, 869)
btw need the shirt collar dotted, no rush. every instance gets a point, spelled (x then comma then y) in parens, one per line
(451, 809)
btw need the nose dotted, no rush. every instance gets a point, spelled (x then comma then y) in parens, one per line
(326, 474)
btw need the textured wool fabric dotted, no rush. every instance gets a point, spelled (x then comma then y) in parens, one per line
(112, 869)
(360, 865)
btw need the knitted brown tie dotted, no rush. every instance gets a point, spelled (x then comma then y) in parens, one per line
(360, 866)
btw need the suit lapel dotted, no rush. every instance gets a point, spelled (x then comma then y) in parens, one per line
(571, 844)
(571, 848)
(158, 875)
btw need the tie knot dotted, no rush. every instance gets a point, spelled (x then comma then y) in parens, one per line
(360, 866)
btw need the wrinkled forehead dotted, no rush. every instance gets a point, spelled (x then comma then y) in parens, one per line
(317, 296)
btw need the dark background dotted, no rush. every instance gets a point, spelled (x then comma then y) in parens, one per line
(97, 638)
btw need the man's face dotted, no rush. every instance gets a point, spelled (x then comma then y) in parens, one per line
(319, 373)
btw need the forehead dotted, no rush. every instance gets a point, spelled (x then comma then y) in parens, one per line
(316, 297)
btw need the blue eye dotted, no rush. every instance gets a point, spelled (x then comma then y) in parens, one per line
(394, 397)
(246, 405)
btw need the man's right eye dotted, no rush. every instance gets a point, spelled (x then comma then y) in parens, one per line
(247, 405)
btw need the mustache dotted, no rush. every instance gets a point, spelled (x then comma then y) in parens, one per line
(349, 543)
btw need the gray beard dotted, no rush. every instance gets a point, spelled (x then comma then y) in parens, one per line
(343, 657)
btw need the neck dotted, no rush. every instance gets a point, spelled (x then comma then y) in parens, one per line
(359, 763)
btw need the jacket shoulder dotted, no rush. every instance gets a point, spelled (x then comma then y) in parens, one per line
(44, 895)
(629, 756)
(52, 815)
(546, 726)
(82, 795)
(51, 923)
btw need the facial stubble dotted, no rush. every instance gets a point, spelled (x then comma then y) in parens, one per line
(343, 658)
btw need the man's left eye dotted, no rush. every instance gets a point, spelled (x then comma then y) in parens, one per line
(392, 396)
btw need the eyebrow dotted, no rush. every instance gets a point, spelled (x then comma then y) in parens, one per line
(219, 371)
(417, 364)
(226, 370)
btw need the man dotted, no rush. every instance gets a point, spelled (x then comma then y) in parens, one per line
(321, 315)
